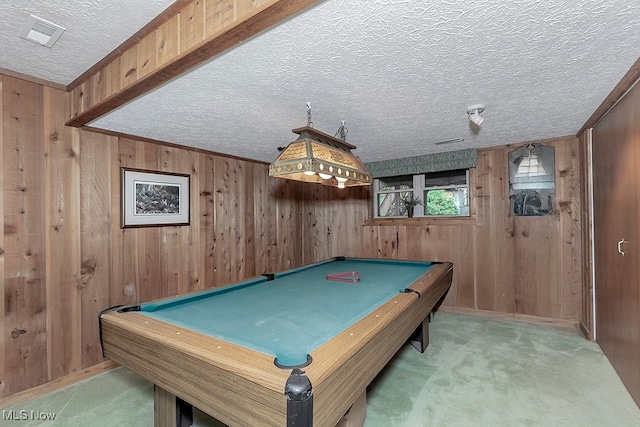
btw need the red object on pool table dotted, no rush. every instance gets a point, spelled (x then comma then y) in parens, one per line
(347, 276)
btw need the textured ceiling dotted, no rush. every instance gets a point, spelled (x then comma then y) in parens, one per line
(93, 28)
(400, 73)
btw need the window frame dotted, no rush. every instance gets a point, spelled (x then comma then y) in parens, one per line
(419, 190)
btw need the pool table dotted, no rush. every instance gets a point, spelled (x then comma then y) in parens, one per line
(294, 348)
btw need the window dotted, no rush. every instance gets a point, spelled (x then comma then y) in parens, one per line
(390, 192)
(442, 194)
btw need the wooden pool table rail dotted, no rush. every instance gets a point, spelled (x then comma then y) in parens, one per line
(343, 367)
(216, 376)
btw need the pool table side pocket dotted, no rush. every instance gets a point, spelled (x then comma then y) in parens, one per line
(434, 290)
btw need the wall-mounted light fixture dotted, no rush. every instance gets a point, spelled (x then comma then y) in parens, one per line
(474, 114)
(321, 158)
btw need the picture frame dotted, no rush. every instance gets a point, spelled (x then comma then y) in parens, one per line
(154, 199)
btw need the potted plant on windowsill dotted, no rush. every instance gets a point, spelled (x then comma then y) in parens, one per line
(410, 202)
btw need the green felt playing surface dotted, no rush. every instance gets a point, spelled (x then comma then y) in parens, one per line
(294, 314)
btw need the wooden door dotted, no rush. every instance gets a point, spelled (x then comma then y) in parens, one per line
(616, 187)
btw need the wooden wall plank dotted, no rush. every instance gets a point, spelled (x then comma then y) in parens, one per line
(388, 241)
(172, 257)
(147, 55)
(224, 223)
(231, 222)
(266, 237)
(129, 67)
(536, 262)
(167, 41)
(355, 217)
(569, 197)
(191, 26)
(171, 281)
(500, 251)
(485, 192)
(124, 286)
(25, 306)
(148, 249)
(248, 236)
(331, 221)
(237, 199)
(313, 219)
(207, 213)
(95, 246)
(427, 242)
(189, 249)
(62, 236)
(149, 258)
(289, 252)
(218, 14)
(455, 244)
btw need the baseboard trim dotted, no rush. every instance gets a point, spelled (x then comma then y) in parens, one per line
(54, 385)
(512, 316)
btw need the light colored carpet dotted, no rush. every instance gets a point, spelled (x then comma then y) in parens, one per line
(486, 372)
(476, 372)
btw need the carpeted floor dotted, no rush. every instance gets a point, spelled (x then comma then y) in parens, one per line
(476, 372)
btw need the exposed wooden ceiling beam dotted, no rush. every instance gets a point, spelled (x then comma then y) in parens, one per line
(187, 34)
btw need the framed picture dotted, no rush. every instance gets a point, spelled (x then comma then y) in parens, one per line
(154, 199)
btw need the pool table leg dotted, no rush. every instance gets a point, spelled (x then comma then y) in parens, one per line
(170, 410)
(420, 337)
(299, 399)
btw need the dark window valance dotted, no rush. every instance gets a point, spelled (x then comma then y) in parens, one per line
(452, 160)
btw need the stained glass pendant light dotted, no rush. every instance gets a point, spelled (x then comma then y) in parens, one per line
(321, 158)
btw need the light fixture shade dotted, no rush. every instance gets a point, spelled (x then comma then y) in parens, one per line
(318, 153)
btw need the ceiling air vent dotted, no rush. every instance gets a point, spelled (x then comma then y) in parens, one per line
(40, 31)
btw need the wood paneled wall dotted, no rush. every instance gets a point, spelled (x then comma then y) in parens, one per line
(503, 263)
(64, 257)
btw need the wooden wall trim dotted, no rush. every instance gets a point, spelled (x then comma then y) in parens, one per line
(188, 37)
(469, 221)
(510, 316)
(587, 324)
(170, 144)
(31, 79)
(166, 15)
(621, 88)
(23, 396)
